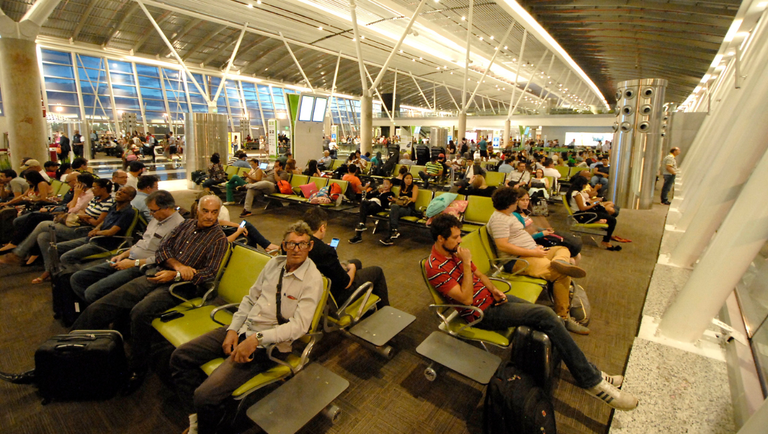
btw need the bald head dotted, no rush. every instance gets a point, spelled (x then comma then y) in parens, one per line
(208, 211)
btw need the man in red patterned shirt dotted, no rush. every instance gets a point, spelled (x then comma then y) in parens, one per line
(450, 270)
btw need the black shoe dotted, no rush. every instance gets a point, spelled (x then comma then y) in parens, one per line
(395, 234)
(135, 381)
(355, 240)
(666, 203)
(245, 214)
(387, 242)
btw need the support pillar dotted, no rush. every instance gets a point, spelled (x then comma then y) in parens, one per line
(462, 132)
(21, 98)
(740, 237)
(507, 133)
(366, 124)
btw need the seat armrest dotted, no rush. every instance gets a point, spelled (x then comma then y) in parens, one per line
(271, 348)
(364, 290)
(438, 308)
(496, 261)
(216, 310)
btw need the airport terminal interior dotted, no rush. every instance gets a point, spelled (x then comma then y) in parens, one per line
(635, 130)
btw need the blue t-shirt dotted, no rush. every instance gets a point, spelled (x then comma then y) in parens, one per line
(241, 163)
(120, 218)
(483, 145)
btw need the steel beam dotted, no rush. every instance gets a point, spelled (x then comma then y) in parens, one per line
(83, 19)
(517, 73)
(399, 43)
(147, 32)
(231, 61)
(126, 15)
(466, 59)
(194, 22)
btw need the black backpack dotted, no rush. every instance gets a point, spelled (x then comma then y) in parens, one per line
(514, 404)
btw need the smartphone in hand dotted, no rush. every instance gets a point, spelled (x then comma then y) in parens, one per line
(335, 243)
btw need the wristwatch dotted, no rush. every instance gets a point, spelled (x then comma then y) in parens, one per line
(259, 336)
(137, 263)
(178, 276)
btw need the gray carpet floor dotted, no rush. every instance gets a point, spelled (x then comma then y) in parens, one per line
(384, 396)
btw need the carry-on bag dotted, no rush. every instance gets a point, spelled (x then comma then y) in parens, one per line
(515, 404)
(533, 352)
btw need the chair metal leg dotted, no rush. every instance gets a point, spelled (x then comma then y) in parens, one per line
(430, 373)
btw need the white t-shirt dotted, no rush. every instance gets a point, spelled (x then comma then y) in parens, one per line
(551, 171)
(501, 225)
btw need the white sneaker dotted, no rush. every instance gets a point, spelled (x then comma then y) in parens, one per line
(618, 399)
(192, 424)
(615, 380)
(229, 203)
(395, 234)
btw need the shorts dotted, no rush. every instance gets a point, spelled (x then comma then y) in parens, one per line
(484, 153)
(172, 150)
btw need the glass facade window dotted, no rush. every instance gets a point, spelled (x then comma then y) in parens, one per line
(160, 92)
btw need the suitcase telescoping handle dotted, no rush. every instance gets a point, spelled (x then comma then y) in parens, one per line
(79, 337)
(65, 347)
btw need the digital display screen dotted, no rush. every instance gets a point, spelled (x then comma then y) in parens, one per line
(319, 113)
(305, 108)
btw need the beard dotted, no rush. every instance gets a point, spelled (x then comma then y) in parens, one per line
(452, 251)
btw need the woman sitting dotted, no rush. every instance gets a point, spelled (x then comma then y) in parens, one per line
(236, 182)
(587, 209)
(540, 235)
(477, 187)
(404, 205)
(62, 172)
(216, 174)
(312, 169)
(539, 184)
(39, 191)
(290, 167)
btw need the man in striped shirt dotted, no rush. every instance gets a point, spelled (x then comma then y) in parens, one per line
(432, 170)
(451, 272)
(192, 252)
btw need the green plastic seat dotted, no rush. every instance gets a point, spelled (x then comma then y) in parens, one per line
(457, 326)
(479, 210)
(495, 179)
(414, 170)
(575, 226)
(351, 311)
(422, 202)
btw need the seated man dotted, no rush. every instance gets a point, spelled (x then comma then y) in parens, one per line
(261, 320)
(192, 252)
(147, 185)
(95, 282)
(343, 282)
(451, 272)
(12, 186)
(135, 169)
(553, 265)
(520, 177)
(506, 166)
(118, 220)
(265, 187)
(433, 170)
(119, 180)
(355, 184)
(376, 202)
(324, 163)
(600, 172)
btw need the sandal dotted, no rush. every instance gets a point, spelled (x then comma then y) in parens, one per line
(621, 240)
(613, 248)
(39, 280)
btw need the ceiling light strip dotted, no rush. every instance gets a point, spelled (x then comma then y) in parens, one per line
(498, 50)
(517, 73)
(397, 46)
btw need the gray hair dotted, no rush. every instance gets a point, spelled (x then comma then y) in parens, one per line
(211, 197)
(162, 198)
(299, 228)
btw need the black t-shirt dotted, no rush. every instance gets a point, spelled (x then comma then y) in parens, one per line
(327, 262)
(382, 197)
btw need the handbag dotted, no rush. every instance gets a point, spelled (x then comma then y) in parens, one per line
(403, 200)
(72, 220)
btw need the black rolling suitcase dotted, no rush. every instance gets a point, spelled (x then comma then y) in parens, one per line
(66, 305)
(7, 215)
(533, 352)
(82, 365)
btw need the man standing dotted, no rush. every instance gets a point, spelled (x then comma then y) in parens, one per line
(95, 282)
(451, 272)
(483, 146)
(669, 166)
(77, 144)
(65, 147)
(262, 320)
(191, 253)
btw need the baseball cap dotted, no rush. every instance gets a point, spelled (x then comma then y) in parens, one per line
(441, 156)
(30, 163)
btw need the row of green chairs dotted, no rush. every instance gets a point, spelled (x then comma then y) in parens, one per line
(566, 173)
(298, 180)
(58, 188)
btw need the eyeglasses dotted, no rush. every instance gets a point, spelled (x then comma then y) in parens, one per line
(290, 245)
(152, 211)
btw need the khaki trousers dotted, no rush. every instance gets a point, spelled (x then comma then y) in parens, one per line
(541, 268)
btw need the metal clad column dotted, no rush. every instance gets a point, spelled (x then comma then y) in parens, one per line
(206, 133)
(636, 142)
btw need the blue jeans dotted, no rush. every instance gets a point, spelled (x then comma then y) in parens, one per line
(599, 180)
(516, 312)
(669, 181)
(395, 212)
(95, 282)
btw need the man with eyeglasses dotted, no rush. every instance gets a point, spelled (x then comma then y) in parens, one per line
(262, 320)
(95, 282)
(192, 252)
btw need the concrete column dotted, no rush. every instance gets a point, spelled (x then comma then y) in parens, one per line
(462, 132)
(366, 123)
(21, 98)
(734, 246)
(507, 132)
